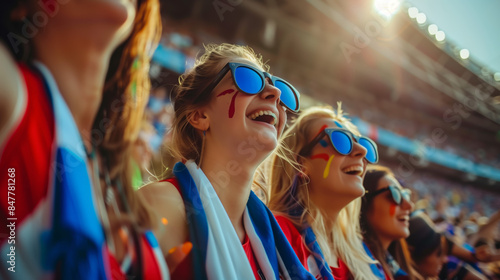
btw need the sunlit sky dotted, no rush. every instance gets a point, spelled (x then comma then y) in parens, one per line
(470, 24)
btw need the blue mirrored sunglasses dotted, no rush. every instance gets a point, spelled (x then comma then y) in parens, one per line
(342, 141)
(251, 80)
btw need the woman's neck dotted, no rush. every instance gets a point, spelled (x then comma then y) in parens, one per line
(79, 68)
(385, 243)
(329, 208)
(232, 181)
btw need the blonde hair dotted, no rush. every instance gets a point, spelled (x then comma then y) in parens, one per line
(186, 140)
(344, 238)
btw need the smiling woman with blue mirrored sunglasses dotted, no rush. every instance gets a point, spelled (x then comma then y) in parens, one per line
(316, 192)
(251, 80)
(210, 190)
(342, 141)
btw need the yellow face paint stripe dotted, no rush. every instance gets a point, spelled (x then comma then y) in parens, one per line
(327, 168)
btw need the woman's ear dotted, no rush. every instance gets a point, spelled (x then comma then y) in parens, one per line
(199, 120)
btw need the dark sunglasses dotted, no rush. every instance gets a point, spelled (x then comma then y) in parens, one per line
(342, 141)
(251, 80)
(397, 194)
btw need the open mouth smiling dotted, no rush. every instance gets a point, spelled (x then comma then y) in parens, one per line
(265, 116)
(355, 170)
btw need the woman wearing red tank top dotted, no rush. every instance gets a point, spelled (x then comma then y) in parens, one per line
(316, 187)
(229, 114)
(72, 93)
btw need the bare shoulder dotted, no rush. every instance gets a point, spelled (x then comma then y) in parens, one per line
(12, 97)
(161, 192)
(167, 203)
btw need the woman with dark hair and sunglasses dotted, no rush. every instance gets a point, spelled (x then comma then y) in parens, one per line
(384, 219)
(73, 87)
(229, 114)
(316, 185)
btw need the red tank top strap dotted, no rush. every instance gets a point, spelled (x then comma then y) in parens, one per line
(174, 182)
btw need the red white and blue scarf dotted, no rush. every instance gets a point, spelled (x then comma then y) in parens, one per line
(74, 242)
(217, 251)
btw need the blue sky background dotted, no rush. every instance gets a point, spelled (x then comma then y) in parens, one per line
(470, 24)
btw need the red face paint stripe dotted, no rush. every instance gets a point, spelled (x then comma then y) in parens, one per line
(227, 91)
(320, 130)
(392, 210)
(231, 106)
(321, 156)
